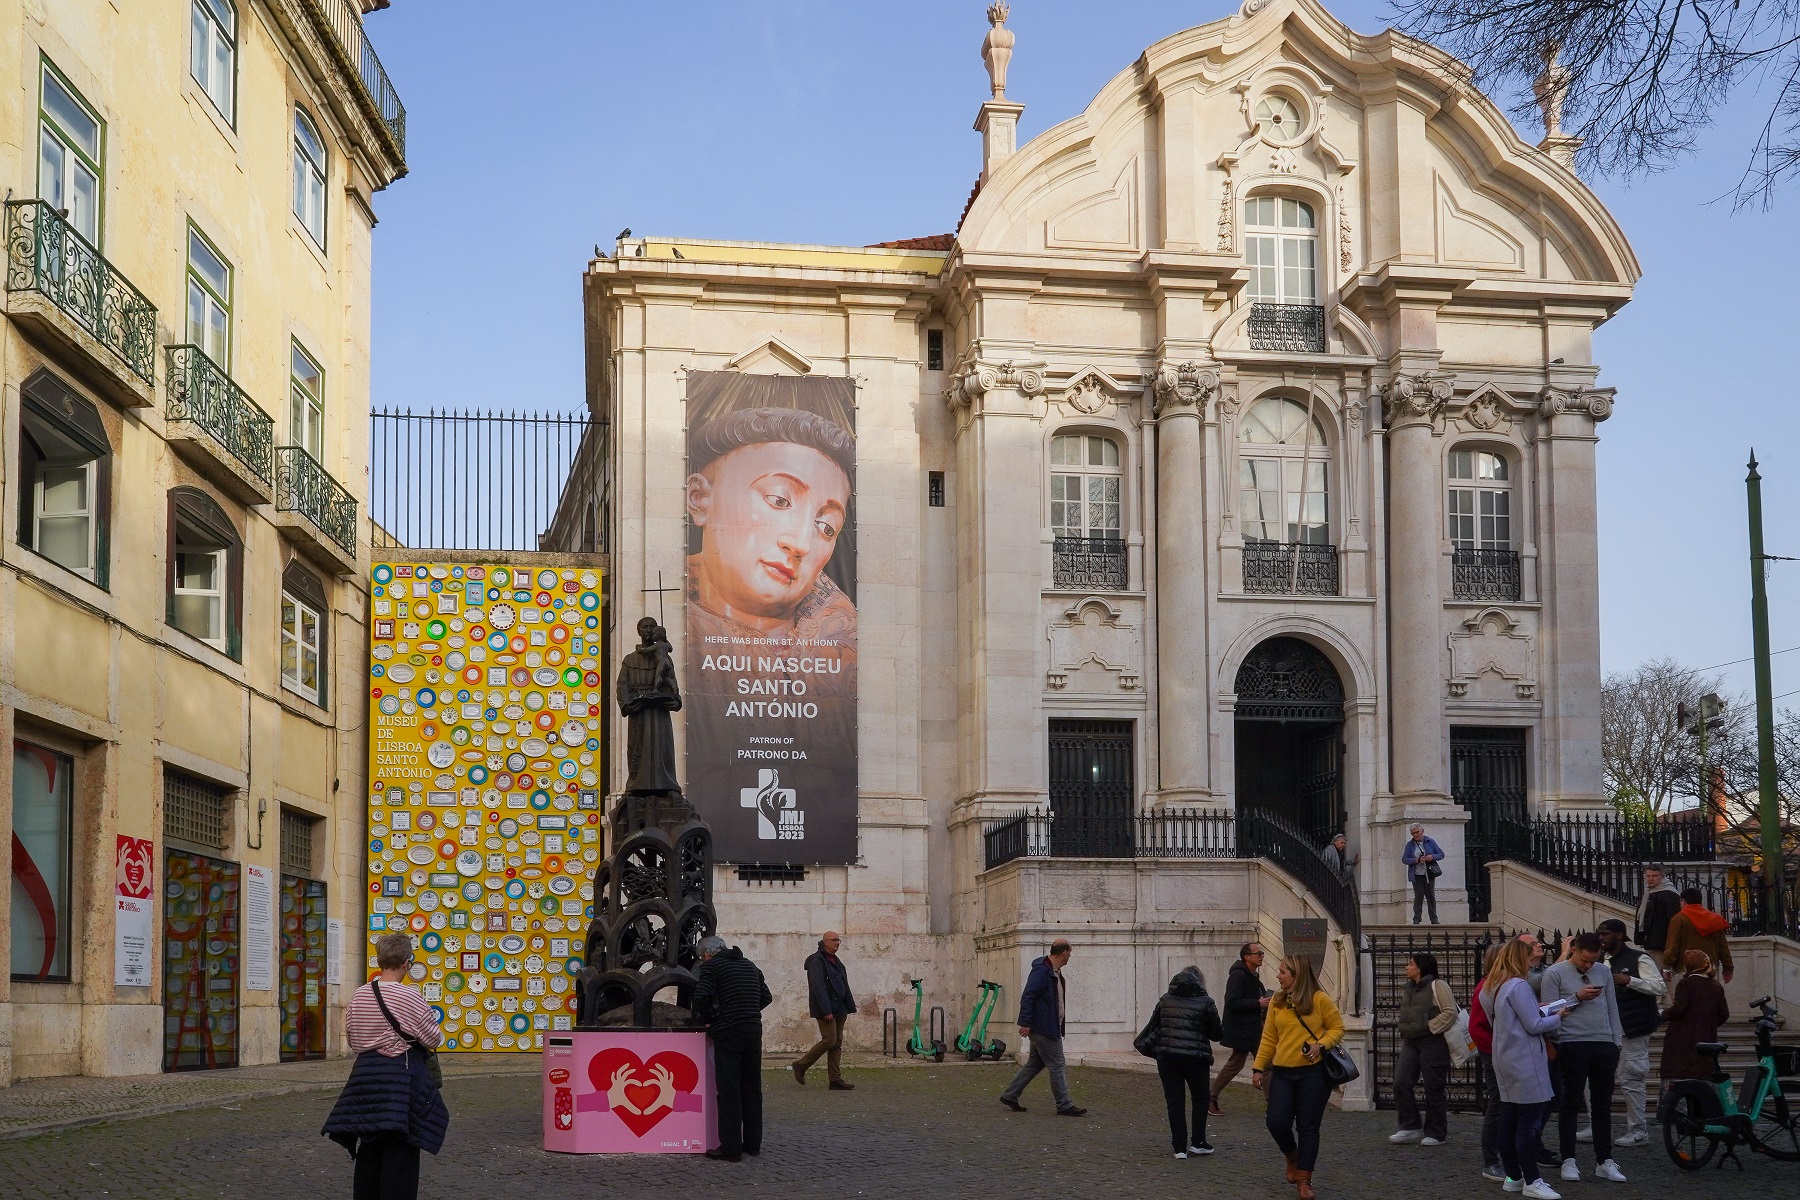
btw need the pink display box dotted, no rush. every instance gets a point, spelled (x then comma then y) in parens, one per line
(624, 1092)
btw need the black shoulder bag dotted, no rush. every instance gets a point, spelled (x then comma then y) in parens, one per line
(1149, 1038)
(431, 1059)
(1340, 1068)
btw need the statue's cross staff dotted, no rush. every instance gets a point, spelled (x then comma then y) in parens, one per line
(658, 590)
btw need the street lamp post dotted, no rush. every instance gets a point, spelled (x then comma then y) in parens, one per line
(1774, 858)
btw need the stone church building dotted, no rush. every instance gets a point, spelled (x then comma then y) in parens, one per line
(1227, 474)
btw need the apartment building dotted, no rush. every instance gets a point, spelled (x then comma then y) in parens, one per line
(184, 395)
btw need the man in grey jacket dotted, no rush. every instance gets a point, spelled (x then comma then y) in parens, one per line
(1587, 1050)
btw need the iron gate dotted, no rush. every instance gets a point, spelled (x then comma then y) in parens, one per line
(1487, 777)
(1092, 789)
(1459, 957)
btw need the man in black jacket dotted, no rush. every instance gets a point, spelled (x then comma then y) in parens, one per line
(1639, 988)
(1246, 1002)
(829, 1000)
(729, 1000)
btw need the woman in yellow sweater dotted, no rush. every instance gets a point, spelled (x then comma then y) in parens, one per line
(1302, 1024)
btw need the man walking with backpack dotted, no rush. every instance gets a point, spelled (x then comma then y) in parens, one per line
(1639, 988)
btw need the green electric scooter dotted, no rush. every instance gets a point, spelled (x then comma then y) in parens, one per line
(972, 1041)
(916, 1044)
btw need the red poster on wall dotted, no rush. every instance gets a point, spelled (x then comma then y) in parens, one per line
(134, 878)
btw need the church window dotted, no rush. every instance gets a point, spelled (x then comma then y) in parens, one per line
(1086, 483)
(1480, 501)
(1282, 464)
(1281, 247)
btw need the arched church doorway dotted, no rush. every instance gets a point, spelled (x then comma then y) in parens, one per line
(1290, 737)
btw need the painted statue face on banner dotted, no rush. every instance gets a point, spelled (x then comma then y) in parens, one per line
(769, 515)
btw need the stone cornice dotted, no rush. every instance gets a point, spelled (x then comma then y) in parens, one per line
(383, 156)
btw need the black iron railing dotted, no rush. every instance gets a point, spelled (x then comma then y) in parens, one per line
(1263, 834)
(1484, 574)
(1603, 853)
(1090, 564)
(46, 254)
(352, 42)
(305, 487)
(200, 391)
(483, 481)
(1297, 568)
(1167, 833)
(1294, 328)
(1459, 954)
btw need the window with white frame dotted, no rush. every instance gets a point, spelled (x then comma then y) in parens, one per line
(309, 176)
(299, 647)
(65, 461)
(69, 141)
(1480, 501)
(306, 403)
(1281, 247)
(1086, 483)
(205, 570)
(1282, 474)
(214, 59)
(303, 633)
(209, 299)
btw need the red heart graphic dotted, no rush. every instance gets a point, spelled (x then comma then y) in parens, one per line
(638, 1087)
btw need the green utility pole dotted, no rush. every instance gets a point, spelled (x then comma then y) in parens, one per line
(1774, 857)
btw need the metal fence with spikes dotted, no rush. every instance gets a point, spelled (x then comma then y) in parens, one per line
(474, 480)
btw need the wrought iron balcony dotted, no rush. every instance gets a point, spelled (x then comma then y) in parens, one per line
(1090, 564)
(359, 56)
(1484, 574)
(1165, 833)
(303, 486)
(1294, 328)
(1290, 568)
(202, 393)
(47, 255)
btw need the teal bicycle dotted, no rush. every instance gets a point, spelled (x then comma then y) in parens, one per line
(1763, 1112)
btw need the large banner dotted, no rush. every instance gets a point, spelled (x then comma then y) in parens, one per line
(770, 686)
(485, 771)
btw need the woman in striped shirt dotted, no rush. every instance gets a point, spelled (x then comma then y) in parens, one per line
(390, 1108)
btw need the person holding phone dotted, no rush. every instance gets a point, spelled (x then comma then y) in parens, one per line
(1588, 1040)
(1302, 1024)
(1521, 1064)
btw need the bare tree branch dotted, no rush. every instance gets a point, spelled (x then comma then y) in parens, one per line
(1645, 76)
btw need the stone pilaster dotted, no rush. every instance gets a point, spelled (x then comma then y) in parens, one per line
(1181, 392)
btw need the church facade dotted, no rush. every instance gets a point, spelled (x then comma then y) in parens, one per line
(1231, 465)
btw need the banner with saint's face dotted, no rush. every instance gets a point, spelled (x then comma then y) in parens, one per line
(770, 684)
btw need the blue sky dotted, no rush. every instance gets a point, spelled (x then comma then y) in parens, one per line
(535, 134)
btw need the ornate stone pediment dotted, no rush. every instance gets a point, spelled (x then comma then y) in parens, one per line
(1491, 659)
(1093, 631)
(1488, 409)
(1180, 384)
(1091, 391)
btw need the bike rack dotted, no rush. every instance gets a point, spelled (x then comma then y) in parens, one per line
(890, 1033)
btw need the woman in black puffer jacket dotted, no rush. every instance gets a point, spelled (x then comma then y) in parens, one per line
(1187, 1025)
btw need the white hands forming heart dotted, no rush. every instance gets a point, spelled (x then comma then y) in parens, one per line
(616, 1096)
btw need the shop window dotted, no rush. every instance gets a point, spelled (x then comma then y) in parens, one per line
(201, 914)
(304, 610)
(65, 474)
(43, 817)
(206, 571)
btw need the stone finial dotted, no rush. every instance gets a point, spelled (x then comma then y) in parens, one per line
(997, 47)
(1551, 88)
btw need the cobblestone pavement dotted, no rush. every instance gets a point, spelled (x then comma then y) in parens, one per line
(37, 1105)
(917, 1131)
